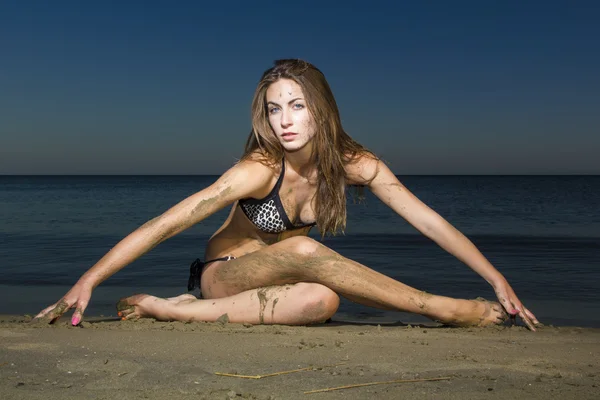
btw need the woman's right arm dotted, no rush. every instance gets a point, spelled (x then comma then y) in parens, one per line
(245, 179)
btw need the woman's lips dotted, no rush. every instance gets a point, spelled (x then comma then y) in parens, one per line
(288, 136)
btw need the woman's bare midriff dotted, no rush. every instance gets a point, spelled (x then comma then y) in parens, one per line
(238, 236)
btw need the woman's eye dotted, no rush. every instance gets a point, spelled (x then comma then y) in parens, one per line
(273, 110)
(298, 106)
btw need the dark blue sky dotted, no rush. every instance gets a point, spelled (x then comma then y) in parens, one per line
(432, 87)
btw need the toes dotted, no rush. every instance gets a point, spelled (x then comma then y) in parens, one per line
(126, 311)
(501, 317)
(123, 312)
(123, 304)
(131, 301)
(133, 316)
(531, 316)
(502, 314)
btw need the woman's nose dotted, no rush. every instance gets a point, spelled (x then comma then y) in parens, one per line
(286, 119)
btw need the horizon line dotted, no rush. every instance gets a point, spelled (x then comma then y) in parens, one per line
(417, 174)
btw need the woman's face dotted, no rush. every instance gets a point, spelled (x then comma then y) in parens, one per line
(288, 115)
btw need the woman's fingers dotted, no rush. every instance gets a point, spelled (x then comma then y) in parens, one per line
(526, 319)
(45, 311)
(531, 316)
(507, 304)
(78, 296)
(514, 307)
(55, 313)
(78, 314)
(52, 313)
(58, 311)
(526, 316)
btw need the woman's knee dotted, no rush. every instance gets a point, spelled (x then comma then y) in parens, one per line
(320, 302)
(302, 245)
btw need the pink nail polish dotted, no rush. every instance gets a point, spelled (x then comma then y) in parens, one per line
(75, 321)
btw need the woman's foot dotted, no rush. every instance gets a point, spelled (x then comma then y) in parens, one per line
(182, 298)
(478, 312)
(146, 306)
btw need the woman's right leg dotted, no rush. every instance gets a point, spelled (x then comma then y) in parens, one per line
(299, 304)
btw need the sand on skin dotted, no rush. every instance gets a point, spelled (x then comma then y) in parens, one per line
(156, 360)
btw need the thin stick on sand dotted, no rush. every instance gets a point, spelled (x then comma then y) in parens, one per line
(444, 378)
(275, 373)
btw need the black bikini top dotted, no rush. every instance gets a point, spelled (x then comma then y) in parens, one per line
(268, 214)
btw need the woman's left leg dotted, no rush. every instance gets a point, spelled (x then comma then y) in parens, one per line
(301, 259)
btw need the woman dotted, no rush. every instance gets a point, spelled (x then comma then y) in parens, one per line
(261, 267)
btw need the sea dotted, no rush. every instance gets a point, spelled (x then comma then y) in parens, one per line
(541, 232)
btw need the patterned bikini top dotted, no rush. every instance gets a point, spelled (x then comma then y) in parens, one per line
(268, 214)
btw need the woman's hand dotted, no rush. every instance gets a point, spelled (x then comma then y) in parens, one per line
(78, 297)
(513, 305)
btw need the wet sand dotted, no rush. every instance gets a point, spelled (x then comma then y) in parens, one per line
(110, 359)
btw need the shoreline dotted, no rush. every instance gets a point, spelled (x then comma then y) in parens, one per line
(149, 359)
(23, 300)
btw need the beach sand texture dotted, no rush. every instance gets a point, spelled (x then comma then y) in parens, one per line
(109, 359)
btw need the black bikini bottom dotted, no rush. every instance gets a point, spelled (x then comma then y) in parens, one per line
(196, 271)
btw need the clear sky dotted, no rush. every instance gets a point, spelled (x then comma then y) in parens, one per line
(433, 87)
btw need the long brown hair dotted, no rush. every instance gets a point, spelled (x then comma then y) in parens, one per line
(332, 147)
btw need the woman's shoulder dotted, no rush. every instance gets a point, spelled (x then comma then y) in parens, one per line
(361, 168)
(257, 161)
(253, 173)
(255, 165)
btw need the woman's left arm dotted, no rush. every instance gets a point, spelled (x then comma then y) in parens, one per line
(388, 189)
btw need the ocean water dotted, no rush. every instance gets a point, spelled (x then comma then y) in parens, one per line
(541, 232)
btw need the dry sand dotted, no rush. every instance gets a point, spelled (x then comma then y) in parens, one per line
(109, 359)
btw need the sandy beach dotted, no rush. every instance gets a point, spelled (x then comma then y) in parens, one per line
(106, 359)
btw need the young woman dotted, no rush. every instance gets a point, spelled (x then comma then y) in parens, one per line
(260, 266)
